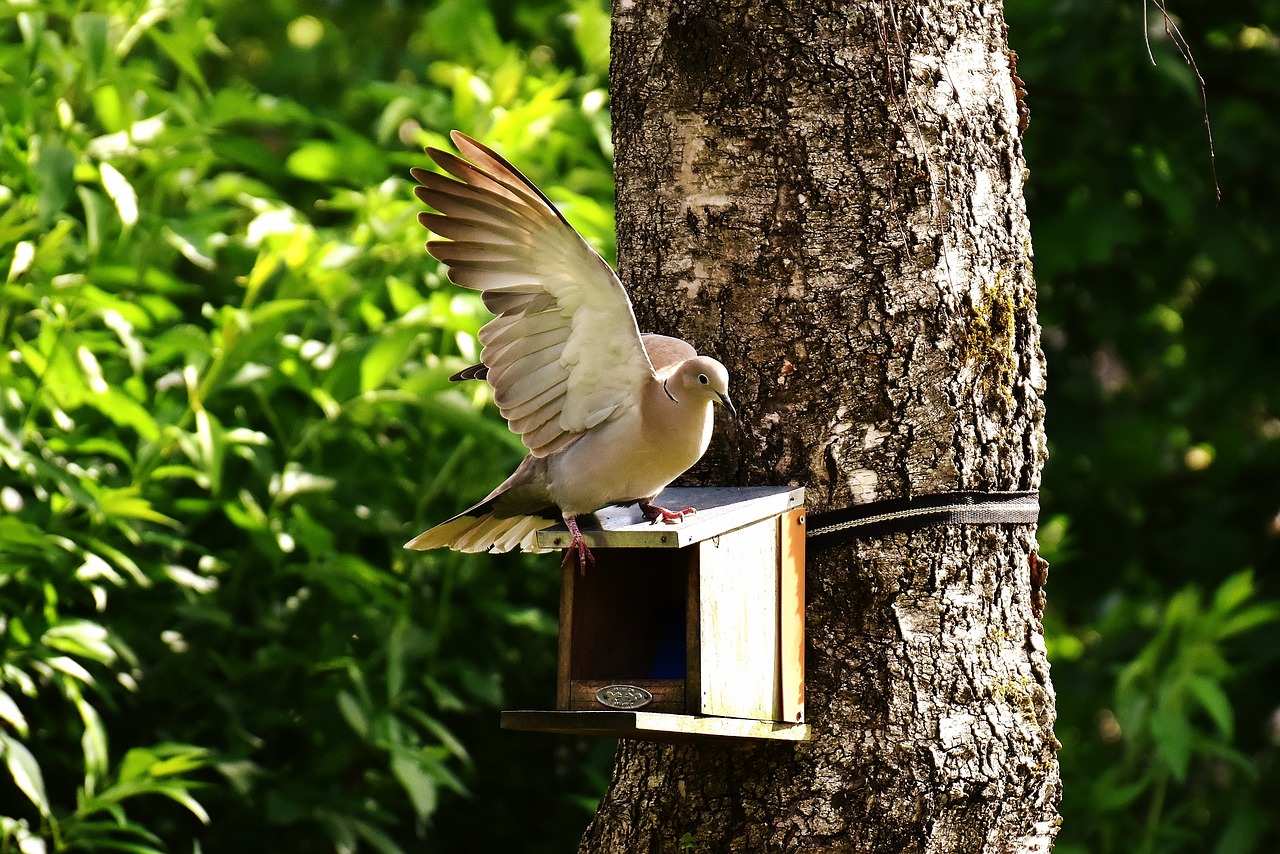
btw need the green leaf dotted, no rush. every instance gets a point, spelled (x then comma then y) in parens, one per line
(91, 32)
(54, 173)
(93, 744)
(126, 503)
(353, 713)
(1210, 696)
(387, 354)
(12, 715)
(1247, 619)
(1111, 795)
(591, 35)
(136, 764)
(315, 161)
(82, 638)
(1174, 738)
(25, 771)
(396, 642)
(121, 193)
(180, 54)
(179, 763)
(418, 784)
(70, 667)
(184, 797)
(109, 107)
(1233, 592)
(376, 837)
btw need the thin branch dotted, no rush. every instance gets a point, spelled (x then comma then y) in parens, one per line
(1184, 49)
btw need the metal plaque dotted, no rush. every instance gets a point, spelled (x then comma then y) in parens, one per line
(625, 697)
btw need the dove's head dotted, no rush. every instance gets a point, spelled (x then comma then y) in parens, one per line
(703, 378)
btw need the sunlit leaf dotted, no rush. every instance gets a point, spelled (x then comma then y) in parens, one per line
(82, 638)
(418, 784)
(184, 797)
(121, 192)
(12, 715)
(1210, 696)
(386, 356)
(127, 503)
(25, 771)
(353, 713)
(93, 744)
(70, 667)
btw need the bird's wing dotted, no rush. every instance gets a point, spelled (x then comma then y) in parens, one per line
(665, 354)
(564, 353)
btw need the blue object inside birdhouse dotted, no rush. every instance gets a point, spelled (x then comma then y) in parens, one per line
(670, 660)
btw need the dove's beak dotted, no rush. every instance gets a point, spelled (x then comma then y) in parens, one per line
(723, 400)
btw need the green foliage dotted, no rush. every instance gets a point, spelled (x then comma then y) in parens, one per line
(1160, 312)
(1171, 712)
(224, 404)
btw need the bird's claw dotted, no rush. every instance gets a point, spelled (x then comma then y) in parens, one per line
(584, 557)
(654, 513)
(579, 545)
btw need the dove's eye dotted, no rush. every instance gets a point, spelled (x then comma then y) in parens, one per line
(702, 378)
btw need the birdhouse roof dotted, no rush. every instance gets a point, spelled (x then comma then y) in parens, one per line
(721, 509)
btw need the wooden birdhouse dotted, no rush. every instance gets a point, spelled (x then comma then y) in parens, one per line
(684, 631)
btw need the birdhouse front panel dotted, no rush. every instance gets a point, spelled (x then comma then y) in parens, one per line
(698, 625)
(738, 642)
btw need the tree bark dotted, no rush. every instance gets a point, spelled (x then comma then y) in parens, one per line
(829, 198)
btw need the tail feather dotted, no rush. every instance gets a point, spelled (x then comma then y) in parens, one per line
(523, 535)
(478, 530)
(481, 536)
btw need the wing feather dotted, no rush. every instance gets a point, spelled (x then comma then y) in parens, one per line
(532, 346)
(512, 391)
(509, 327)
(503, 303)
(543, 407)
(461, 228)
(563, 352)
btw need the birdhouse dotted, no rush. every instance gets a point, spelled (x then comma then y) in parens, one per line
(685, 631)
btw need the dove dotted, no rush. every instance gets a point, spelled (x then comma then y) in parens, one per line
(609, 416)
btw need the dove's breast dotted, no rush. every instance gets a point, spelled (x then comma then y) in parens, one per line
(634, 456)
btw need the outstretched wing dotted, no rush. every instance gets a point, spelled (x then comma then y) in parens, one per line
(564, 352)
(665, 354)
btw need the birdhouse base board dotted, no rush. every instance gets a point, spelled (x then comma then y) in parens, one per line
(652, 726)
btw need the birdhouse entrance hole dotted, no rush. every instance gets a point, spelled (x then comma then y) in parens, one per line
(628, 620)
(684, 631)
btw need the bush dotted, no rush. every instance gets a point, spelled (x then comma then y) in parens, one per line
(226, 406)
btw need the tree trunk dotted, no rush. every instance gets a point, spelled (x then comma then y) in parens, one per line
(828, 197)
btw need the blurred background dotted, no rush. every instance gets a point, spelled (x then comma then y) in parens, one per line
(224, 406)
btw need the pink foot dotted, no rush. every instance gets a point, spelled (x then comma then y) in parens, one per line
(578, 545)
(653, 513)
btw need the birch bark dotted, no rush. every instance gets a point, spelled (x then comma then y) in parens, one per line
(828, 197)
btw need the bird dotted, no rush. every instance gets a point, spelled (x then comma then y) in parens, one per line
(609, 416)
